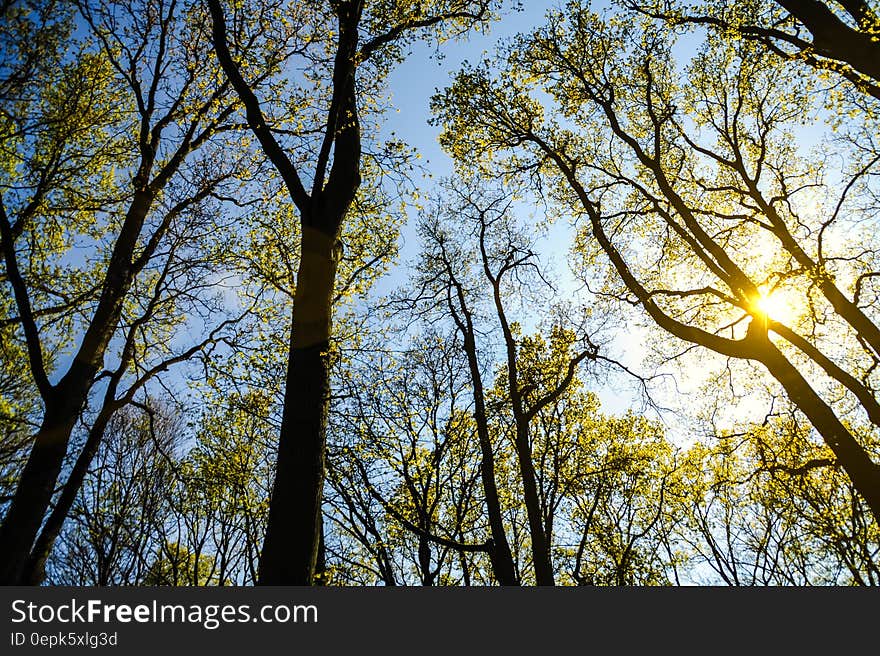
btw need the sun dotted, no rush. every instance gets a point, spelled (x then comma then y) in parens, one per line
(769, 304)
(776, 305)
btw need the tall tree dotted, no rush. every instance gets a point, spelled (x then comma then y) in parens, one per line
(690, 186)
(444, 282)
(363, 39)
(107, 135)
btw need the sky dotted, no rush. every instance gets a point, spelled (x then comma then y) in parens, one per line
(415, 81)
(411, 85)
(422, 74)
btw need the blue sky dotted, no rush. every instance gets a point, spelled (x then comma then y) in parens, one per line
(414, 82)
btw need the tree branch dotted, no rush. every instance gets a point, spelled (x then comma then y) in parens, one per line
(256, 120)
(22, 300)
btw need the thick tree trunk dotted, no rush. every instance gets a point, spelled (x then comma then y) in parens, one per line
(35, 569)
(425, 561)
(36, 485)
(293, 532)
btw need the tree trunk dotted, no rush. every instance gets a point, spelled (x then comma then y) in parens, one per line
(425, 561)
(37, 484)
(500, 555)
(862, 471)
(35, 569)
(540, 545)
(293, 532)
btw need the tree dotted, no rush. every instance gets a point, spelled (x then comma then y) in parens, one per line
(403, 470)
(177, 566)
(495, 258)
(445, 283)
(691, 188)
(221, 497)
(112, 535)
(502, 252)
(828, 36)
(364, 40)
(109, 139)
(771, 507)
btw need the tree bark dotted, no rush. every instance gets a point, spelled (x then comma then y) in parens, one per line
(293, 532)
(37, 483)
(500, 555)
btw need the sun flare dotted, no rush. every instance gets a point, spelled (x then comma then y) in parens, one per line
(777, 306)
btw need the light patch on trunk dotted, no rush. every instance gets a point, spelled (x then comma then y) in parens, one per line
(314, 289)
